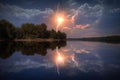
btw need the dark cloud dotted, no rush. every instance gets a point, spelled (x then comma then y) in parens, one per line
(39, 4)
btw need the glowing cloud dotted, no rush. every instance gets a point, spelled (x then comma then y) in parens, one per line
(60, 20)
(82, 27)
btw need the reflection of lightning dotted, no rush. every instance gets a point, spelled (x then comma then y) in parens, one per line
(59, 60)
(73, 59)
(57, 69)
(56, 61)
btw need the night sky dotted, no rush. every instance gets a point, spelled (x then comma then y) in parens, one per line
(91, 17)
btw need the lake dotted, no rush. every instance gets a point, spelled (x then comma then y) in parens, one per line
(71, 60)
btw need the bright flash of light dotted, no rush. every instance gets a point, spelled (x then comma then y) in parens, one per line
(60, 20)
(59, 59)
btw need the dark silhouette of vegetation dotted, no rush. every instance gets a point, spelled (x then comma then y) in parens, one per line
(7, 30)
(107, 39)
(27, 31)
(28, 48)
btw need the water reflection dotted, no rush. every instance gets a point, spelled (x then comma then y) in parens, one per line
(74, 61)
(83, 59)
(28, 48)
(64, 58)
(59, 60)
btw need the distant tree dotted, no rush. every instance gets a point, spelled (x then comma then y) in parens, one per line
(7, 30)
(28, 30)
(61, 35)
(42, 31)
(53, 34)
(18, 33)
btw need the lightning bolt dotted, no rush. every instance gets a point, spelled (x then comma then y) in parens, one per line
(74, 16)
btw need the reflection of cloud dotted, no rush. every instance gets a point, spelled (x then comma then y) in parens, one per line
(73, 49)
(90, 65)
(81, 51)
(65, 50)
(86, 59)
(22, 65)
(83, 64)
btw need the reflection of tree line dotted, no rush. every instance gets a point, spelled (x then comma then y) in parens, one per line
(28, 48)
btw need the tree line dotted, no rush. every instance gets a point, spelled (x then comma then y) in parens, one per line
(115, 39)
(28, 31)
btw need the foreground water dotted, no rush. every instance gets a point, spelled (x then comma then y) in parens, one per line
(59, 61)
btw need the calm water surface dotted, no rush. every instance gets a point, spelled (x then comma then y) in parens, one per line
(59, 61)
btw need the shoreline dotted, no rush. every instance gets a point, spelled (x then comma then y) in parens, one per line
(38, 40)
